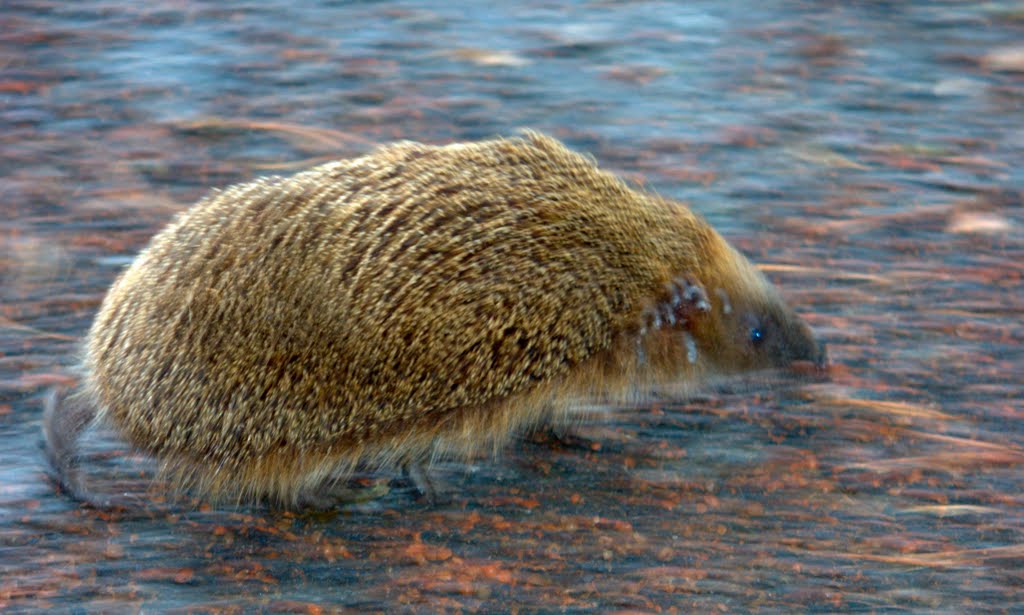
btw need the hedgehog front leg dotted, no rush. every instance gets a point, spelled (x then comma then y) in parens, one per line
(333, 493)
(417, 473)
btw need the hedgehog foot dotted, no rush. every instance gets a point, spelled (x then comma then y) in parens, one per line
(429, 490)
(335, 494)
(564, 436)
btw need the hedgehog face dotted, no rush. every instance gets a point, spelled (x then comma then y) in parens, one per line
(735, 328)
(759, 333)
(734, 321)
(748, 326)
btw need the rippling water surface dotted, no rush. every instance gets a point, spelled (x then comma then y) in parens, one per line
(867, 155)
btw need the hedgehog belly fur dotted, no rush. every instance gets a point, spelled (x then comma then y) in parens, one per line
(286, 475)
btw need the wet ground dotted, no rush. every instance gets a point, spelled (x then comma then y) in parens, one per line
(868, 155)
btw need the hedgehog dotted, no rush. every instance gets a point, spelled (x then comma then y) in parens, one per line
(414, 303)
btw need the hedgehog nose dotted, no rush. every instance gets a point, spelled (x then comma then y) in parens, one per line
(813, 361)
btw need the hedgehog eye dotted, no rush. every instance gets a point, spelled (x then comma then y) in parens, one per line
(756, 336)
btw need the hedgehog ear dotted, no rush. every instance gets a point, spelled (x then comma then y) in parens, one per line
(687, 299)
(683, 302)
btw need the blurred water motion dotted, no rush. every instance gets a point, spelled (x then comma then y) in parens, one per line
(867, 154)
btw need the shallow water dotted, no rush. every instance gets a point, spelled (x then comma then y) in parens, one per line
(868, 156)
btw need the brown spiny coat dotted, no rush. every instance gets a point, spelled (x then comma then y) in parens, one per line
(416, 301)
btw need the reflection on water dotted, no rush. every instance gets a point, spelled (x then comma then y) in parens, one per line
(868, 156)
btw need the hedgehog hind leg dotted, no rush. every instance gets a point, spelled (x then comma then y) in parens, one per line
(295, 480)
(65, 418)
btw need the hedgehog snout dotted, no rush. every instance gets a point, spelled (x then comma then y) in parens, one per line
(805, 351)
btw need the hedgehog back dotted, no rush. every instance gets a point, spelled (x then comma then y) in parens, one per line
(353, 304)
